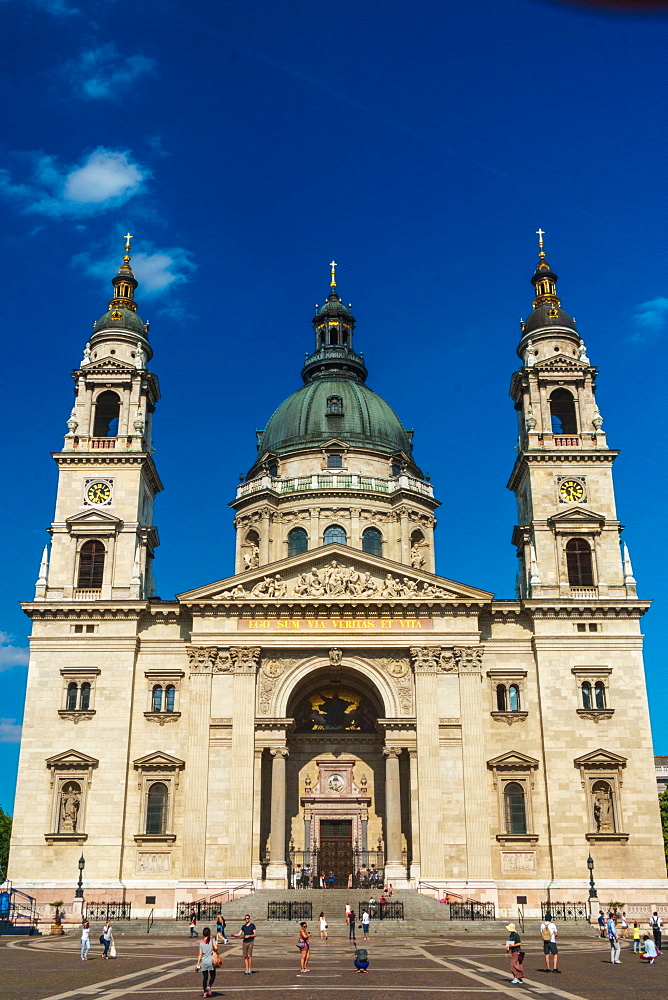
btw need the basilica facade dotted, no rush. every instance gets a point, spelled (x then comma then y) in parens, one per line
(335, 705)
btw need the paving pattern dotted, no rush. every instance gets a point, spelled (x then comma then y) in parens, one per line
(475, 969)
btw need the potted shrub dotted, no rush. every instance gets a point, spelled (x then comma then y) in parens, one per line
(57, 925)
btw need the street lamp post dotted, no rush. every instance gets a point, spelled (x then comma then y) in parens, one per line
(592, 888)
(82, 864)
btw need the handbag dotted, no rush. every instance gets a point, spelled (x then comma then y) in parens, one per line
(112, 950)
(216, 960)
(101, 938)
(301, 944)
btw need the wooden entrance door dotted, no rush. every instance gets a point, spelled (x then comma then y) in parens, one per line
(336, 850)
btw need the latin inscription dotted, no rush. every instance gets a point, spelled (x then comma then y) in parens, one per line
(336, 624)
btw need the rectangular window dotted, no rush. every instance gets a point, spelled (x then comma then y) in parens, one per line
(582, 626)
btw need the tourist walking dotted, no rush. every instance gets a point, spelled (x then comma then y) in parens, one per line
(303, 945)
(361, 959)
(323, 926)
(207, 961)
(85, 940)
(649, 950)
(106, 938)
(656, 924)
(613, 938)
(192, 926)
(514, 948)
(351, 918)
(366, 919)
(549, 933)
(247, 932)
(220, 929)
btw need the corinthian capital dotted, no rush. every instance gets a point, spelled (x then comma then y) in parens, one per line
(468, 658)
(202, 658)
(245, 659)
(425, 659)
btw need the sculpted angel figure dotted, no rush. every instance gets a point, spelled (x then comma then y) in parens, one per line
(417, 559)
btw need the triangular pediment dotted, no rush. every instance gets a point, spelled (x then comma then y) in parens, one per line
(72, 758)
(600, 758)
(159, 759)
(96, 516)
(561, 363)
(332, 573)
(513, 759)
(109, 366)
(575, 515)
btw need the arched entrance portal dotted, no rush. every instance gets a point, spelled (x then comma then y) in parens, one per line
(335, 782)
(335, 776)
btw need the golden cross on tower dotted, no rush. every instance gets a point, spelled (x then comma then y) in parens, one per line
(333, 265)
(128, 237)
(540, 233)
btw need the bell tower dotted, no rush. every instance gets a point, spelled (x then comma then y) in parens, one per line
(103, 536)
(568, 535)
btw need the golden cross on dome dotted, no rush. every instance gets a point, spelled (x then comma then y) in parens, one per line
(128, 237)
(333, 265)
(540, 233)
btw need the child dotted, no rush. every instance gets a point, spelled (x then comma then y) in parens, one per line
(649, 953)
(361, 960)
(636, 936)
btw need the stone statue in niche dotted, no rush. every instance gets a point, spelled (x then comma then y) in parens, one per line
(417, 559)
(335, 656)
(603, 807)
(70, 803)
(252, 557)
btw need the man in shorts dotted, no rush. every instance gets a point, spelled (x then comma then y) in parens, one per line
(247, 932)
(549, 934)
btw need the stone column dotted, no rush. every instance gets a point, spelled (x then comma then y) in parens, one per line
(415, 816)
(365, 837)
(479, 858)
(244, 662)
(393, 867)
(314, 529)
(201, 660)
(355, 536)
(257, 807)
(277, 870)
(264, 538)
(427, 665)
(405, 538)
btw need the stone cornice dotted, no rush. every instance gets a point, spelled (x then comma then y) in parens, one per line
(597, 607)
(95, 459)
(562, 456)
(62, 610)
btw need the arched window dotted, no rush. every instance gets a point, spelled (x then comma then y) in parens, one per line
(156, 809)
(562, 412)
(599, 694)
(514, 698)
(335, 533)
(71, 702)
(501, 703)
(107, 409)
(514, 808)
(170, 695)
(586, 695)
(156, 701)
(84, 701)
(91, 565)
(297, 541)
(578, 563)
(372, 542)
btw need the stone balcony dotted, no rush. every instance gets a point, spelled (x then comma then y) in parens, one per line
(334, 482)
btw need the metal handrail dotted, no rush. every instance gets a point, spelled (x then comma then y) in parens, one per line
(149, 922)
(449, 896)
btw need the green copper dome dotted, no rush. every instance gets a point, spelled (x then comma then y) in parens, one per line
(120, 319)
(309, 418)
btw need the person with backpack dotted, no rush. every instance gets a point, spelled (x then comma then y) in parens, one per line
(549, 933)
(656, 923)
(514, 947)
(361, 959)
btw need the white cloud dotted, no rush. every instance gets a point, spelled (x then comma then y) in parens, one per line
(10, 731)
(107, 178)
(105, 73)
(10, 655)
(155, 269)
(650, 319)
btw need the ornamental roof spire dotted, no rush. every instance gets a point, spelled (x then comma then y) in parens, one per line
(544, 279)
(334, 326)
(122, 313)
(125, 282)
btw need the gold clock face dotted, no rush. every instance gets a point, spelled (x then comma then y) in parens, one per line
(98, 493)
(571, 490)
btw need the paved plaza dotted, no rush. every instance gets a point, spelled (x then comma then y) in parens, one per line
(476, 969)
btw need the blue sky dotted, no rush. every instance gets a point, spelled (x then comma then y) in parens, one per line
(245, 146)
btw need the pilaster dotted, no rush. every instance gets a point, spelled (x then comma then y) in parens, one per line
(245, 661)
